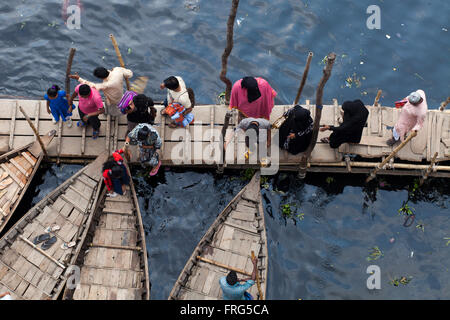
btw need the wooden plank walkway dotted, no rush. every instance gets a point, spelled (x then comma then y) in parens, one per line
(77, 143)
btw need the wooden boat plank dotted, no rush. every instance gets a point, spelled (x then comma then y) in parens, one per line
(14, 174)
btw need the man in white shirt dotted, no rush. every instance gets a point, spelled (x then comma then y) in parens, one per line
(177, 92)
(112, 86)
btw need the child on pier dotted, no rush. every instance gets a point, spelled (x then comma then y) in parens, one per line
(58, 105)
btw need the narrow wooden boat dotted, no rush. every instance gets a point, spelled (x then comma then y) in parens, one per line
(17, 169)
(113, 260)
(28, 271)
(227, 245)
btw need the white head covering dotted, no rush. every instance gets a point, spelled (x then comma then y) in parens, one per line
(414, 97)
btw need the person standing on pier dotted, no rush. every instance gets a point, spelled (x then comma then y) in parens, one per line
(296, 131)
(350, 131)
(412, 117)
(253, 97)
(58, 105)
(147, 138)
(89, 107)
(112, 86)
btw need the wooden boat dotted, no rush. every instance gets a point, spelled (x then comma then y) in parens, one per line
(17, 169)
(113, 260)
(26, 270)
(237, 231)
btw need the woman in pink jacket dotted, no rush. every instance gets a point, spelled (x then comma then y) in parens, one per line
(411, 118)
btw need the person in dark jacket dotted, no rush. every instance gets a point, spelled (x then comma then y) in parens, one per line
(140, 110)
(296, 131)
(355, 118)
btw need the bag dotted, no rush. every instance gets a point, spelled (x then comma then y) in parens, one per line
(126, 100)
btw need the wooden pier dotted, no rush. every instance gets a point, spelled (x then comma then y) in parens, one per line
(75, 144)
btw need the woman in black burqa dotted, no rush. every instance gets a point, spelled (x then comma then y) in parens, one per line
(296, 130)
(355, 118)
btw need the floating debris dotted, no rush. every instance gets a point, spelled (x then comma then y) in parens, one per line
(353, 80)
(418, 76)
(406, 210)
(129, 50)
(392, 240)
(388, 36)
(375, 254)
(448, 241)
(329, 180)
(421, 227)
(444, 29)
(403, 280)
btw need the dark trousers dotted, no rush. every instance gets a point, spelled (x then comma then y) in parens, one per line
(93, 121)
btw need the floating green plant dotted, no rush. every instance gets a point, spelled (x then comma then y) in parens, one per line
(248, 174)
(264, 182)
(329, 180)
(374, 254)
(448, 241)
(402, 280)
(421, 227)
(406, 210)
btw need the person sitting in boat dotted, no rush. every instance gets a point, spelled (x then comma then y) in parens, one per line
(115, 175)
(296, 131)
(177, 92)
(136, 107)
(58, 105)
(412, 117)
(147, 138)
(253, 97)
(233, 290)
(90, 107)
(112, 86)
(350, 131)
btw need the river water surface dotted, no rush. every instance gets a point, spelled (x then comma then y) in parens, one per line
(322, 250)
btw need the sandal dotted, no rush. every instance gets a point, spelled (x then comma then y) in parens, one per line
(155, 169)
(47, 244)
(95, 134)
(80, 124)
(52, 228)
(325, 140)
(41, 238)
(69, 245)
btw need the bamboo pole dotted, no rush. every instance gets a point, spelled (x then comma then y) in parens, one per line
(119, 55)
(277, 123)
(218, 264)
(392, 155)
(444, 104)
(226, 123)
(304, 77)
(35, 132)
(429, 169)
(318, 114)
(68, 70)
(377, 98)
(227, 51)
(258, 283)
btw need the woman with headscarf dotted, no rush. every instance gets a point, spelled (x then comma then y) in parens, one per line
(355, 118)
(296, 130)
(253, 97)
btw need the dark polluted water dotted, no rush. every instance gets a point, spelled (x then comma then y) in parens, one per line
(322, 232)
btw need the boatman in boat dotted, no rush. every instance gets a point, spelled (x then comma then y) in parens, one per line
(253, 97)
(147, 138)
(112, 86)
(412, 117)
(231, 287)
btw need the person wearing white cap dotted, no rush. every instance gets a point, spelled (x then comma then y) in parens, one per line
(411, 118)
